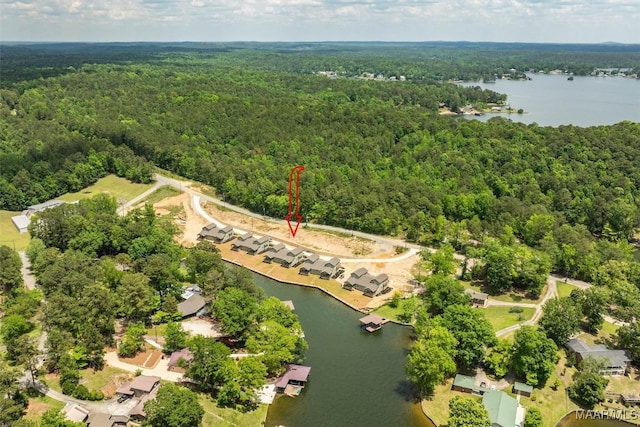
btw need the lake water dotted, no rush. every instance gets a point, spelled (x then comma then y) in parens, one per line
(357, 378)
(552, 100)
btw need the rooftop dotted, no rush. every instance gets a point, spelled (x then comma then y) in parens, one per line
(185, 354)
(517, 386)
(372, 319)
(294, 373)
(502, 408)
(616, 358)
(75, 413)
(191, 305)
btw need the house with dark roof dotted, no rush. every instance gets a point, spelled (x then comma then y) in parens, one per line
(193, 305)
(294, 379)
(369, 284)
(616, 362)
(478, 299)
(283, 256)
(107, 420)
(141, 385)
(504, 410)
(215, 234)
(250, 244)
(325, 268)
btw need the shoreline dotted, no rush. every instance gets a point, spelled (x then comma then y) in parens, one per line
(307, 285)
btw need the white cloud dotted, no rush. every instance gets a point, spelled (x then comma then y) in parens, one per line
(502, 20)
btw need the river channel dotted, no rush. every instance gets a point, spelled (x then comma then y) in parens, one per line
(357, 378)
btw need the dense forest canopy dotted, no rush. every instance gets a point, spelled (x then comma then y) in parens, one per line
(377, 157)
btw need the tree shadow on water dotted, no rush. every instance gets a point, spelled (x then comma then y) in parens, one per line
(408, 391)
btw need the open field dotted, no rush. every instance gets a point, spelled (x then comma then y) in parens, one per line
(219, 417)
(120, 188)
(9, 234)
(501, 318)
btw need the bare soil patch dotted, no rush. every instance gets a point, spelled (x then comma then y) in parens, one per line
(188, 221)
(325, 243)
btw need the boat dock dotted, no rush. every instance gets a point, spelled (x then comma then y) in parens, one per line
(372, 322)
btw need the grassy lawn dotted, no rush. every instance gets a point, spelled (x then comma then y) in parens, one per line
(510, 296)
(564, 289)
(120, 188)
(161, 193)
(607, 330)
(553, 404)
(9, 234)
(215, 416)
(39, 404)
(500, 318)
(161, 330)
(437, 406)
(99, 380)
(391, 313)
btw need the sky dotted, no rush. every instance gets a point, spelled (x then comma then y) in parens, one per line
(558, 21)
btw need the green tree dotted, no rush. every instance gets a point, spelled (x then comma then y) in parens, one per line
(534, 355)
(173, 406)
(137, 298)
(441, 261)
(13, 403)
(465, 412)
(235, 309)
(472, 331)
(279, 345)
(440, 292)
(499, 358)
(252, 373)
(628, 338)
(209, 366)
(431, 359)
(273, 309)
(560, 319)
(537, 228)
(533, 418)
(175, 337)
(132, 341)
(10, 265)
(588, 385)
(55, 418)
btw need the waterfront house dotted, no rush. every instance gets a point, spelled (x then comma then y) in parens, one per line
(616, 362)
(326, 269)
(478, 299)
(293, 380)
(215, 234)
(250, 244)
(467, 384)
(285, 257)
(522, 389)
(193, 305)
(372, 322)
(141, 385)
(504, 410)
(368, 284)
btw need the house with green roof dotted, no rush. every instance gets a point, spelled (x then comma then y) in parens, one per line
(504, 410)
(522, 389)
(467, 384)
